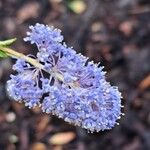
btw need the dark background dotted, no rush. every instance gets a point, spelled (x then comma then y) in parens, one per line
(114, 32)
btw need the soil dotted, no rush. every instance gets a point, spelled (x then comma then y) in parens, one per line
(113, 32)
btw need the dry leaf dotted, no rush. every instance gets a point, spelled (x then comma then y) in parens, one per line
(58, 147)
(97, 26)
(145, 83)
(38, 146)
(126, 27)
(17, 107)
(62, 138)
(77, 6)
(10, 117)
(30, 10)
(36, 109)
(41, 126)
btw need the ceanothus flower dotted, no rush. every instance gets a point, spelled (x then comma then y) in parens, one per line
(23, 88)
(72, 88)
(43, 35)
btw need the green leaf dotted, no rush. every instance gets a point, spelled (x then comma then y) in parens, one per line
(3, 54)
(7, 42)
(77, 6)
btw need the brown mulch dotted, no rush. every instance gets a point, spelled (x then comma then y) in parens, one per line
(114, 32)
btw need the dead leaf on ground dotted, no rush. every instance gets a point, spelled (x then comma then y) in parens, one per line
(36, 109)
(62, 138)
(127, 27)
(38, 146)
(145, 83)
(77, 6)
(43, 122)
(29, 10)
(58, 147)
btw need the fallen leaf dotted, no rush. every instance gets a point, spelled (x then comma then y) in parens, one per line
(145, 83)
(10, 117)
(43, 122)
(126, 27)
(29, 10)
(38, 146)
(58, 147)
(36, 109)
(77, 6)
(13, 138)
(97, 26)
(62, 138)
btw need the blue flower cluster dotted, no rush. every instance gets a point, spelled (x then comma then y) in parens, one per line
(72, 88)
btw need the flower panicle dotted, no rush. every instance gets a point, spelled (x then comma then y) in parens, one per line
(73, 89)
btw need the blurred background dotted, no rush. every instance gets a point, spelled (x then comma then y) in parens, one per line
(114, 32)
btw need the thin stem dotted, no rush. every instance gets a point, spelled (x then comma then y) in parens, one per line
(34, 62)
(13, 53)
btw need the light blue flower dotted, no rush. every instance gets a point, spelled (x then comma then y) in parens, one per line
(82, 98)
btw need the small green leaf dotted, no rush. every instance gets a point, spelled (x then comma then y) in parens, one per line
(3, 54)
(7, 42)
(77, 6)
